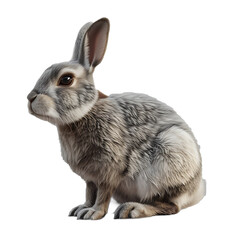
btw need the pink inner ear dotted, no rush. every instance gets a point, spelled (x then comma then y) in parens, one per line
(97, 37)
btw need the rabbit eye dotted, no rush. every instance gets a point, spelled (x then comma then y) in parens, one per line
(66, 80)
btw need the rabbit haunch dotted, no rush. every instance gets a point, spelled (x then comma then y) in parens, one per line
(128, 146)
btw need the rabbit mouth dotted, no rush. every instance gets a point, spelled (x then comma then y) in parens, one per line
(31, 111)
(43, 116)
(42, 107)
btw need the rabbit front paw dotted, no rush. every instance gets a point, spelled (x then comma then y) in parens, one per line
(77, 209)
(90, 213)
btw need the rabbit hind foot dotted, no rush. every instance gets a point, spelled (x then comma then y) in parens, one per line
(140, 210)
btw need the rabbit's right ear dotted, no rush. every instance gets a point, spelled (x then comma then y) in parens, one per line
(91, 43)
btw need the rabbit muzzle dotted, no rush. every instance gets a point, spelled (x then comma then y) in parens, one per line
(41, 105)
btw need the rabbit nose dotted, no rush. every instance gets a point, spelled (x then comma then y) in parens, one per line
(31, 96)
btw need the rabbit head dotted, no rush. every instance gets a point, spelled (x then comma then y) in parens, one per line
(65, 92)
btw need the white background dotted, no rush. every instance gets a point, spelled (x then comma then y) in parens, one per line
(185, 53)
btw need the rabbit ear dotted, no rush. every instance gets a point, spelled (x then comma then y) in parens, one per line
(92, 42)
(79, 42)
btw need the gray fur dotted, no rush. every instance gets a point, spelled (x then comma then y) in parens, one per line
(79, 44)
(128, 146)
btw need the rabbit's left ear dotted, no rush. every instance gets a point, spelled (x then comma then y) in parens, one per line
(92, 43)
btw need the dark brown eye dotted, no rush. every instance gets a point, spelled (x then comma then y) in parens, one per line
(66, 80)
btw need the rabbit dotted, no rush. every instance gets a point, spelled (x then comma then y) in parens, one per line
(128, 146)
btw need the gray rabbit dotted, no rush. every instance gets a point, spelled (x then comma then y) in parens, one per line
(128, 146)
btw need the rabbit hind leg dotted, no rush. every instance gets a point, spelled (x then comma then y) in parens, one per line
(140, 210)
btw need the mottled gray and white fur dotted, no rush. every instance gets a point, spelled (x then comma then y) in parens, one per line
(128, 146)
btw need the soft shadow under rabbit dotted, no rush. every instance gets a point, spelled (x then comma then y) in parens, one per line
(128, 146)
